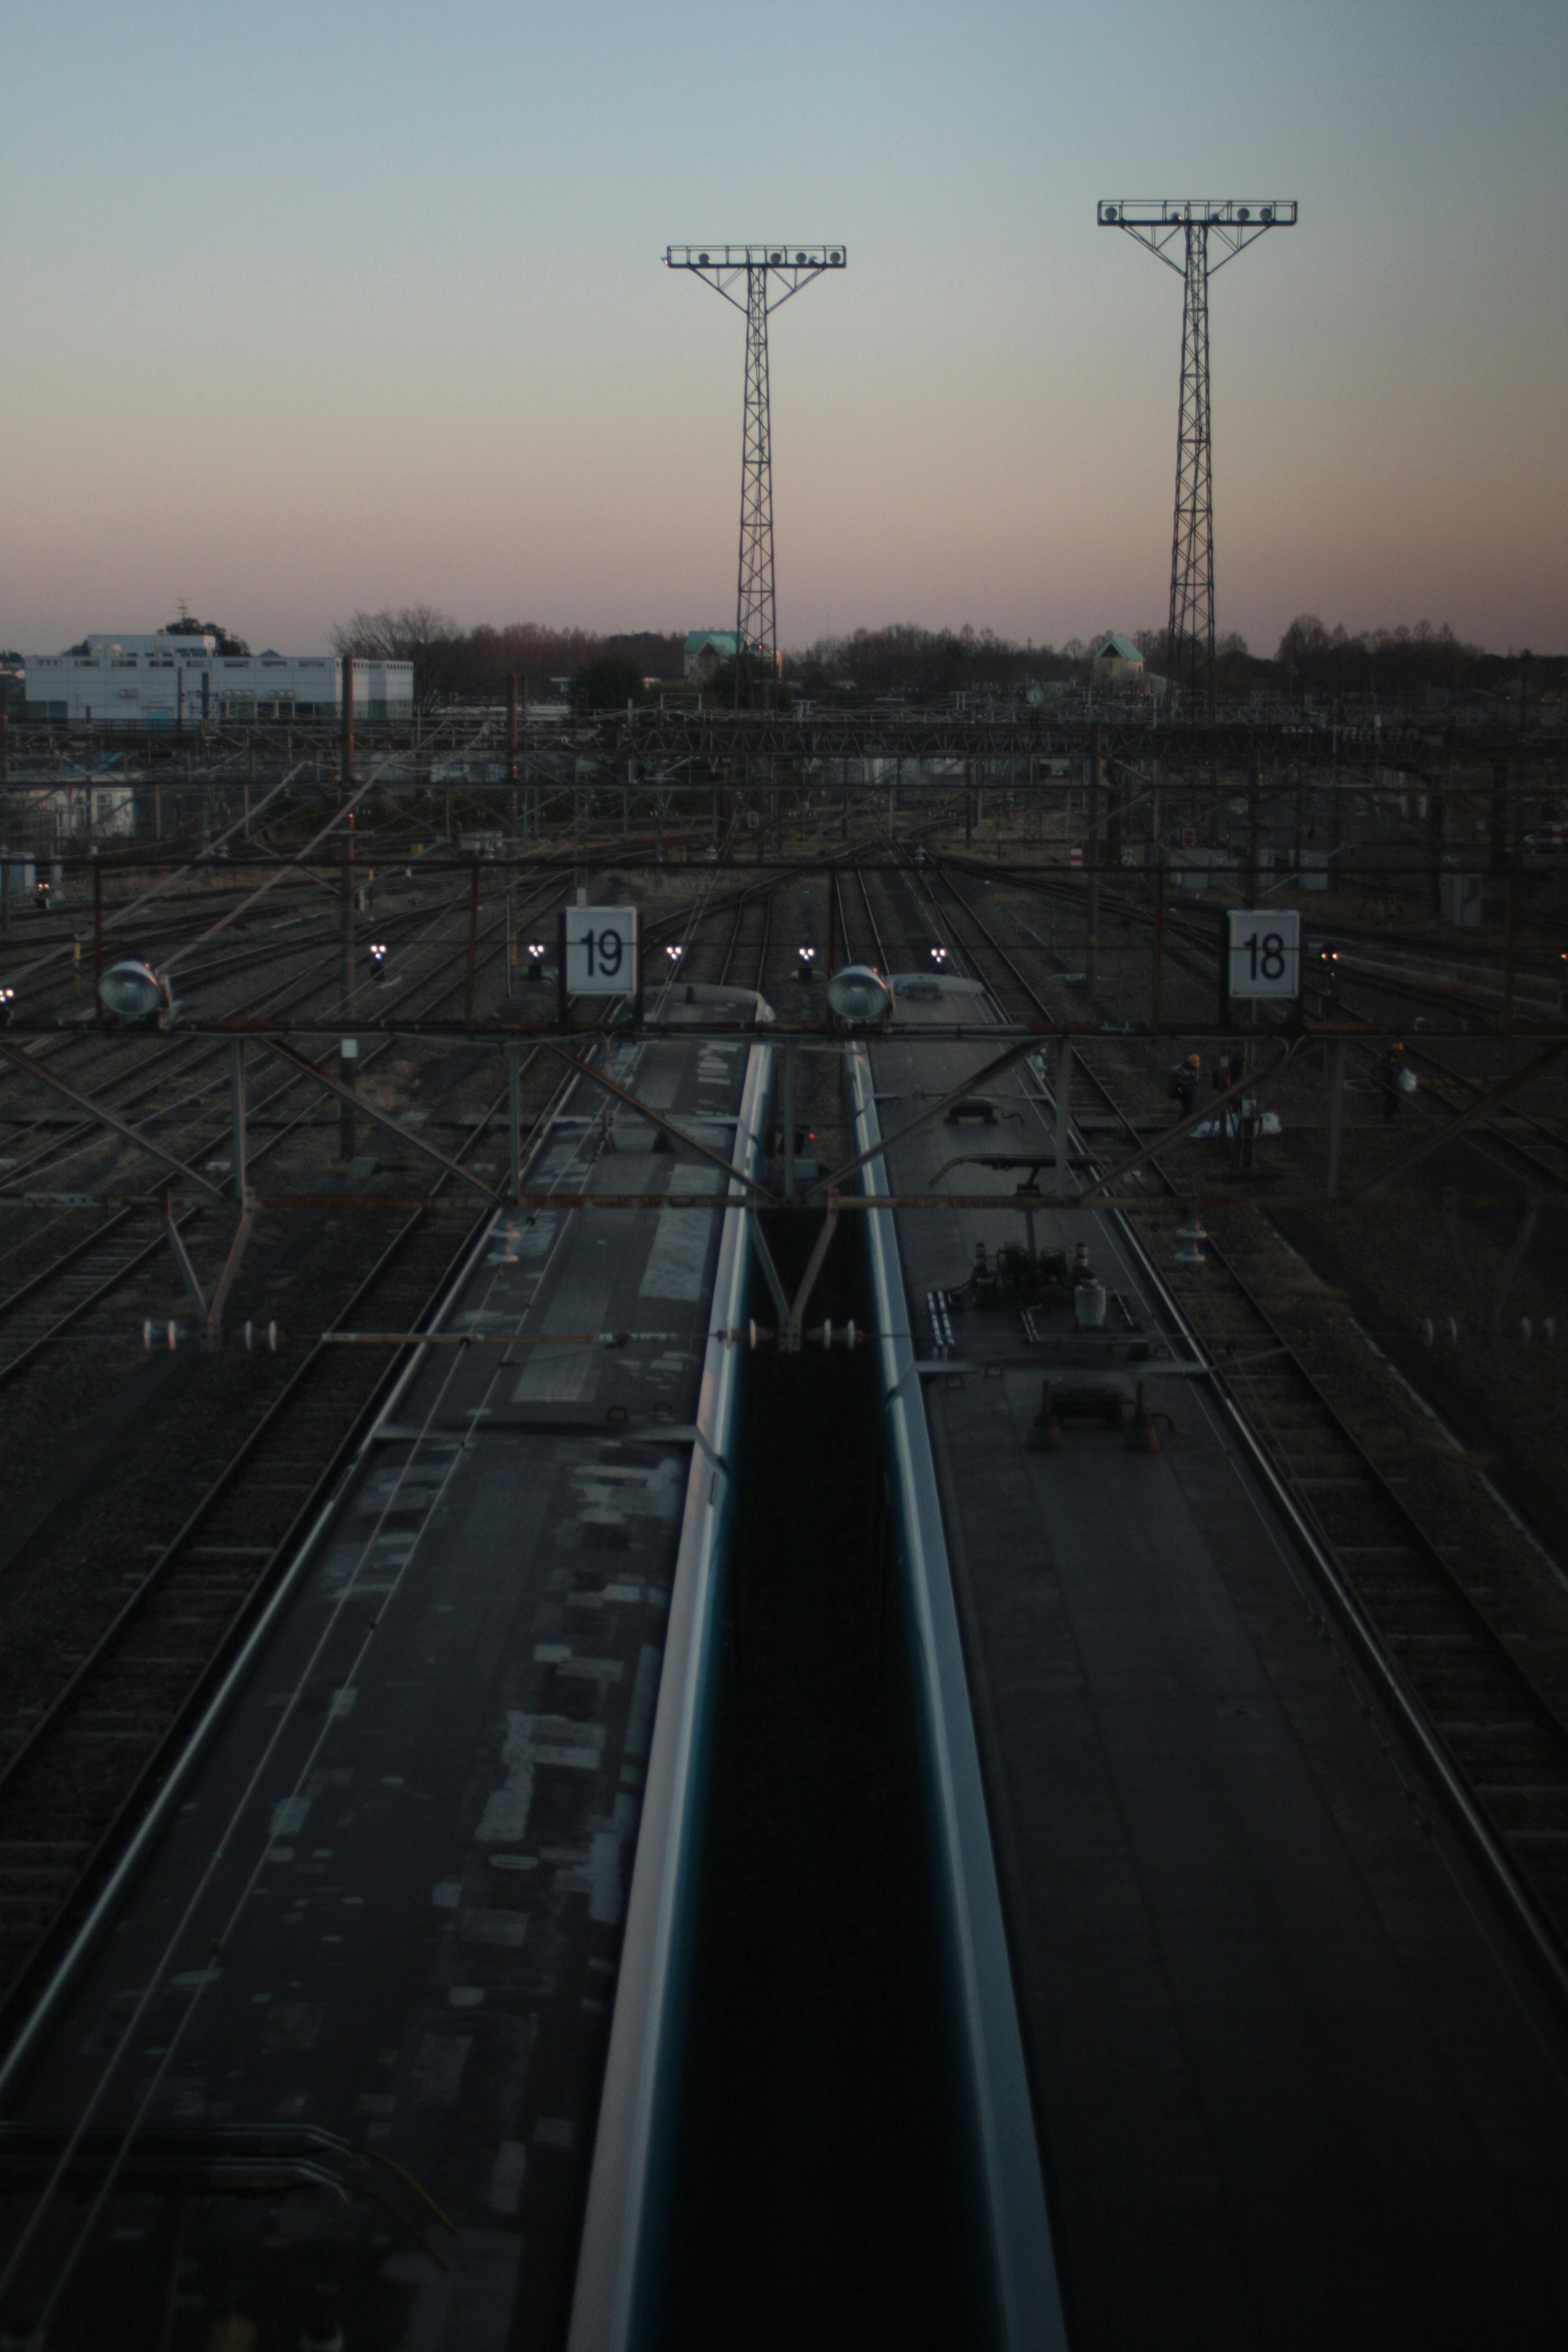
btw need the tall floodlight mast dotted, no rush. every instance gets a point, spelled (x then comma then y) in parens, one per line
(771, 274)
(1186, 225)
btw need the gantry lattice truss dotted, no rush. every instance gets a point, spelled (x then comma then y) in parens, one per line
(1164, 224)
(765, 267)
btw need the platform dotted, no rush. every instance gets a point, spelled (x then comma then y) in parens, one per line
(1293, 2083)
(390, 1905)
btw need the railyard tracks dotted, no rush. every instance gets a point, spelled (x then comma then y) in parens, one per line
(87, 1766)
(80, 1773)
(1476, 1643)
(53, 1300)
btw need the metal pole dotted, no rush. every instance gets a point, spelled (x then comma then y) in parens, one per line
(511, 750)
(1254, 827)
(1064, 1096)
(349, 1056)
(1159, 944)
(1435, 844)
(348, 734)
(1091, 862)
(1337, 1053)
(1500, 816)
(1512, 941)
(473, 944)
(98, 943)
(514, 1114)
(789, 1119)
(236, 1089)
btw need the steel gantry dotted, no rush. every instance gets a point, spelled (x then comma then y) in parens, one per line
(1187, 224)
(771, 274)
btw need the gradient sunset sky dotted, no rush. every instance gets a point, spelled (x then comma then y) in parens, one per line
(313, 308)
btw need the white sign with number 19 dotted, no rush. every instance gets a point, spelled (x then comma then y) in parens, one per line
(1263, 952)
(601, 951)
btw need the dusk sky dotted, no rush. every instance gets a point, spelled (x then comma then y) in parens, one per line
(308, 308)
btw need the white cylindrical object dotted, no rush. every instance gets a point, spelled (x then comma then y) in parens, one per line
(1088, 1302)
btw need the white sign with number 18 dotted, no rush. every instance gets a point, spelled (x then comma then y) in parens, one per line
(1263, 952)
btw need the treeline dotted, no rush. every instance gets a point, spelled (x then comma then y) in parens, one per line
(1384, 662)
(457, 665)
(904, 659)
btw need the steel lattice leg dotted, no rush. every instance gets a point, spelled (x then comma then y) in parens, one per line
(1192, 631)
(755, 620)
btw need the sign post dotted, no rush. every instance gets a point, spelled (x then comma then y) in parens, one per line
(599, 953)
(1262, 957)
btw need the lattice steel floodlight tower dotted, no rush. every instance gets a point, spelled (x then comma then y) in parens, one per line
(763, 266)
(1162, 222)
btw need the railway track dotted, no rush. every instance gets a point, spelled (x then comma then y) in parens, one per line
(78, 1772)
(53, 1301)
(1473, 1641)
(75, 1776)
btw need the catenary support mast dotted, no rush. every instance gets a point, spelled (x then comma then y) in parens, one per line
(1184, 226)
(771, 274)
(756, 612)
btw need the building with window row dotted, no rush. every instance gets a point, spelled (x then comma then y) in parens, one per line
(175, 682)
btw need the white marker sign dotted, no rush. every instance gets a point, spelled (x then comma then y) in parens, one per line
(601, 951)
(1263, 953)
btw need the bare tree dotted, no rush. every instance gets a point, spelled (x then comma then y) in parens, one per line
(406, 634)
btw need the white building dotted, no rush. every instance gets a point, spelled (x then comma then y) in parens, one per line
(1117, 660)
(174, 682)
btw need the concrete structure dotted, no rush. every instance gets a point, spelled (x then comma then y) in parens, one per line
(163, 681)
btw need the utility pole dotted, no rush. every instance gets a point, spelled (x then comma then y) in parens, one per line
(348, 1058)
(771, 274)
(511, 751)
(1091, 862)
(1186, 225)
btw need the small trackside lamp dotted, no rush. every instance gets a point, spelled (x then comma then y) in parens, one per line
(675, 951)
(536, 959)
(7, 1000)
(939, 957)
(378, 950)
(807, 962)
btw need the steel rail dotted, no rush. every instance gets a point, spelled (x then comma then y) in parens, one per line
(614, 2306)
(164, 1770)
(1016, 2259)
